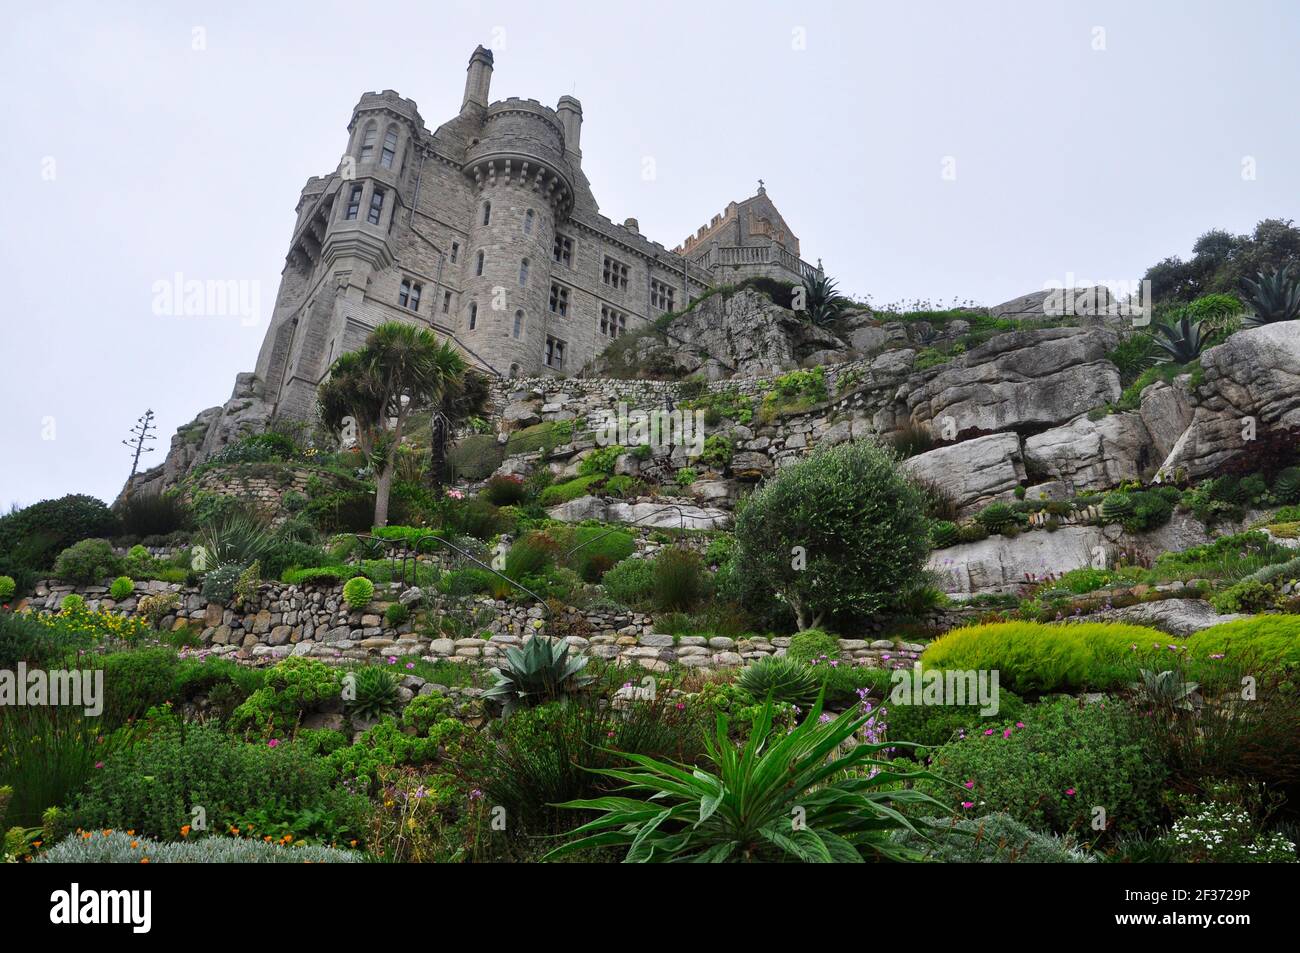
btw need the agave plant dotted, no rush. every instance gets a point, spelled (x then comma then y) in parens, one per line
(1275, 296)
(1167, 690)
(810, 795)
(1178, 342)
(540, 672)
(823, 301)
(782, 679)
(375, 692)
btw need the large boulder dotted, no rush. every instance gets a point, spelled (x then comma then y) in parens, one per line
(1175, 616)
(974, 471)
(655, 515)
(1022, 380)
(1001, 564)
(1093, 454)
(1250, 386)
(744, 334)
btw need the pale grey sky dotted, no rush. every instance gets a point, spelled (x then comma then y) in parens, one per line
(1087, 138)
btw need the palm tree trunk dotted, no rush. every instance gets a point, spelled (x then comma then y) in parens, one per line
(383, 485)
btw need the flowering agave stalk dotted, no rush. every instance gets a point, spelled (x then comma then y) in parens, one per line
(783, 797)
(542, 671)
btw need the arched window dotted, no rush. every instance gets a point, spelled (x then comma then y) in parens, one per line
(389, 151)
(473, 314)
(368, 141)
(519, 324)
(487, 213)
(528, 221)
(478, 266)
(523, 272)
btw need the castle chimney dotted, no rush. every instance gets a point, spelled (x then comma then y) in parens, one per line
(478, 79)
(570, 111)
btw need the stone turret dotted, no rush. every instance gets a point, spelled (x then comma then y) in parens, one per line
(478, 80)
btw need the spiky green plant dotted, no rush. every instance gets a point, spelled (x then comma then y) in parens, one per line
(1117, 507)
(542, 671)
(783, 679)
(996, 517)
(1275, 296)
(375, 691)
(1287, 485)
(821, 299)
(1166, 690)
(1179, 341)
(810, 795)
(943, 534)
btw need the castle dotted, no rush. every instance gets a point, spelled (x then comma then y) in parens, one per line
(486, 231)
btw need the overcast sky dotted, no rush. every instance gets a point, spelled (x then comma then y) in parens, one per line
(931, 151)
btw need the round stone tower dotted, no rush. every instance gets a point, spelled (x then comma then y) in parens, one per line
(523, 191)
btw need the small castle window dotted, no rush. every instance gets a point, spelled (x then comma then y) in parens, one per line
(390, 149)
(446, 302)
(487, 213)
(615, 273)
(376, 207)
(564, 250)
(528, 221)
(408, 294)
(661, 295)
(478, 265)
(519, 324)
(523, 272)
(613, 323)
(354, 203)
(455, 251)
(368, 142)
(473, 314)
(555, 353)
(560, 300)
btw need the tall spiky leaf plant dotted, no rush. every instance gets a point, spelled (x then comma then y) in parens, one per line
(1275, 296)
(814, 795)
(1179, 342)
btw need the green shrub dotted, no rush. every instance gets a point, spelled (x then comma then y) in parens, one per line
(530, 555)
(7, 588)
(137, 680)
(944, 534)
(939, 724)
(717, 452)
(154, 514)
(319, 575)
(154, 787)
(467, 582)
(1096, 656)
(157, 606)
(72, 603)
(25, 638)
(87, 562)
(595, 550)
(31, 538)
(292, 688)
(1249, 596)
(811, 645)
(686, 476)
(991, 839)
(425, 711)
(396, 614)
(559, 493)
(600, 462)
(679, 579)
(631, 582)
(505, 490)
(1068, 759)
(219, 582)
(997, 517)
(358, 591)
(858, 520)
(123, 587)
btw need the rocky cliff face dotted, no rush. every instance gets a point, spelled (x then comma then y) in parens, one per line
(244, 413)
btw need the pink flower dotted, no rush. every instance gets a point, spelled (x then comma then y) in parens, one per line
(99, 764)
(1007, 733)
(1020, 724)
(273, 743)
(968, 804)
(988, 731)
(1069, 792)
(968, 785)
(410, 665)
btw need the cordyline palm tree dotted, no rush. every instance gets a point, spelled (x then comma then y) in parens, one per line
(823, 302)
(1180, 341)
(462, 400)
(1275, 296)
(400, 370)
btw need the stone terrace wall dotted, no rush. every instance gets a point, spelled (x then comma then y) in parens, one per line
(314, 621)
